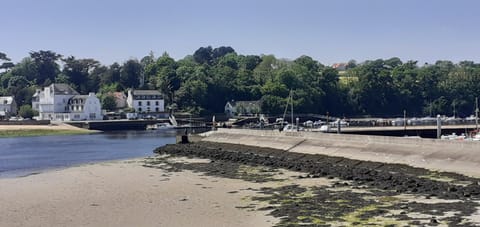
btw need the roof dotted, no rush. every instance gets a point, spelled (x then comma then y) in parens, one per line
(118, 95)
(63, 89)
(246, 103)
(146, 92)
(9, 100)
(79, 97)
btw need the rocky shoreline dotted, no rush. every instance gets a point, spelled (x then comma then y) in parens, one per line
(361, 192)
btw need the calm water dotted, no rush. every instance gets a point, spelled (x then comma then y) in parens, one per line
(26, 155)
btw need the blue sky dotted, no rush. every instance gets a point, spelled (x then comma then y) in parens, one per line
(329, 31)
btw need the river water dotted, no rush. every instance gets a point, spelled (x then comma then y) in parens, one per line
(21, 156)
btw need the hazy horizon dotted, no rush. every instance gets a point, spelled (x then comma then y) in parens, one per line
(328, 31)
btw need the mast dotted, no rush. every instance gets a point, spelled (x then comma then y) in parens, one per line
(291, 102)
(476, 114)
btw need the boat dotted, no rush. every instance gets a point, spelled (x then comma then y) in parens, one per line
(292, 128)
(160, 126)
(289, 127)
(453, 136)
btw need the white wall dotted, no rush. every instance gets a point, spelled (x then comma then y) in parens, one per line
(92, 106)
(137, 104)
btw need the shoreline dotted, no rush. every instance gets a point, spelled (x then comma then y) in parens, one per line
(9, 131)
(215, 184)
(359, 193)
(125, 193)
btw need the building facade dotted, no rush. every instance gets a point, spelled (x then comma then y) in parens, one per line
(146, 102)
(245, 108)
(60, 102)
(8, 107)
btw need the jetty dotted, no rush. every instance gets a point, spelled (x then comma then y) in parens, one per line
(433, 154)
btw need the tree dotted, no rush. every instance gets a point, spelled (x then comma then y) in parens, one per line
(79, 71)
(272, 104)
(166, 76)
(46, 67)
(7, 64)
(112, 75)
(351, 64)
(375, 92)
(221, 51)
(26, 111)
(264, 71)
(108, 103)
(203, 55)
(131, 73)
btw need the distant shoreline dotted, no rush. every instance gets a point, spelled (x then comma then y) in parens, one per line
(41, 130)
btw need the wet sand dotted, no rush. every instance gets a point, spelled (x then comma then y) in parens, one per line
(360, 193)
(214, 184)
(59, 126)
(124, 193)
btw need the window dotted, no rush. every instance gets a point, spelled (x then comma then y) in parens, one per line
(139, 109)
(156, 103)
(148, 109)
(148, 103)
(139, 103)
(156, 109)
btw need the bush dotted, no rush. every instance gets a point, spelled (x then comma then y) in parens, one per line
(26, 111)
(109, 103)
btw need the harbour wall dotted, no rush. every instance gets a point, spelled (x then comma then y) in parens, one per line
(440, 155)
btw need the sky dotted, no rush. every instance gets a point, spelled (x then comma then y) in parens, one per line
(328, 31)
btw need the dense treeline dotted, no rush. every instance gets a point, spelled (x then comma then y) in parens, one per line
(203, 82)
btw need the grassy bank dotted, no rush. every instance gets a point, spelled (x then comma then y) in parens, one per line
(40, 132)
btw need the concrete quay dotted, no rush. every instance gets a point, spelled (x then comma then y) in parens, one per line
(461, 157)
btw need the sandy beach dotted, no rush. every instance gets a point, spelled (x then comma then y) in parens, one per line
(124, 193)
(214, 184)
(42, 130)
(56, 126)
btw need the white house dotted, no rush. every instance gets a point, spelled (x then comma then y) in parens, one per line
(60, 102)
(8, 106)
(242, 108)
(146, 102)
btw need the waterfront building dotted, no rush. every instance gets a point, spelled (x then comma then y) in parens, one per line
(60, 102)
(245, 108)
(146, 103)
(8, 107)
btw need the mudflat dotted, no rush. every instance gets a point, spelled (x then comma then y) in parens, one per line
(125, 193)
(359, 193)
(215, 184)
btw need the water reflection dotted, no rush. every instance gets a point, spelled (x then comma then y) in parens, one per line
(24, 155)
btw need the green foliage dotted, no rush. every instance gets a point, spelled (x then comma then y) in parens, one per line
(131, 74)
(46, 67)
(26, 111)
(273, 104)
(108, 103)
(204, 81)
